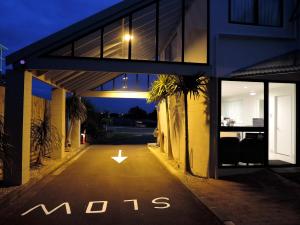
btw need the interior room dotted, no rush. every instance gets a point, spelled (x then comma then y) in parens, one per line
(242, 132)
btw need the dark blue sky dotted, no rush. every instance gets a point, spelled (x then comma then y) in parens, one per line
(26, 21)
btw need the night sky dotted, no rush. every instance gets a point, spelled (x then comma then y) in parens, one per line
(26, 21)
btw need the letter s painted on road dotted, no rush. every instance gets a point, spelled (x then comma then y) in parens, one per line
(158, 201)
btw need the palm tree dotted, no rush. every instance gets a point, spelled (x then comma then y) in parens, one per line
(76, 110)
(161, 88)
(193, 86)
(44, 138)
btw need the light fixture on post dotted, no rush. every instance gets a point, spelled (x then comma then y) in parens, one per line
(125, 81)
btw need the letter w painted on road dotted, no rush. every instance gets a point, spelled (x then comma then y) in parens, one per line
(66, 204)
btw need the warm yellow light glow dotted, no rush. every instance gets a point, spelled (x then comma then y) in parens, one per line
(116, 94)
(128, 37)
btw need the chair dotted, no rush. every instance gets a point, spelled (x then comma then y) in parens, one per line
(229, 150)
(252, 150)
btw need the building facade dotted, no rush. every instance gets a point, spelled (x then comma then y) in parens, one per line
(248, 48)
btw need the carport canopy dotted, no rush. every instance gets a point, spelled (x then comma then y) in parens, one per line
(134, 36)
(130, 37)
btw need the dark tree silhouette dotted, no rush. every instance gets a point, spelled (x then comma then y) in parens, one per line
(137, 113)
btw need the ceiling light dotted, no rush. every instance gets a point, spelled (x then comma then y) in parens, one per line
(127, 37)
(245, 87)
(252, 93)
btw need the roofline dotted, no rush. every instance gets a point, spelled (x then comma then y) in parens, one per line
(71, 32)
(249, 69)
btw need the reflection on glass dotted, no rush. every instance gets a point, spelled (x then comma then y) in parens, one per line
(144, 34)
(242, 11)
(270, 12)
(282, 123)
(116, 39)
(241, 148)
(88, 46)
(170, 30)
(195, 45)
(242, 104)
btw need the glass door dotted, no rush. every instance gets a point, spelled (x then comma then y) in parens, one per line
(282, 124)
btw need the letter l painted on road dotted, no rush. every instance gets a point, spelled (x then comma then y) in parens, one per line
(135, 204)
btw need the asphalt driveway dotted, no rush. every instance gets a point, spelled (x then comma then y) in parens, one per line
(95, 189)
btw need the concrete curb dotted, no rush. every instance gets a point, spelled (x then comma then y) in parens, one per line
(11, 196)
(183, 179)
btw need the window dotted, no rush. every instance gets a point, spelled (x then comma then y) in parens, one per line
(163, 30)
(257, 12)
(116, 39)
(171, 50)
(143, 34)
(242, 136)
(242, 104)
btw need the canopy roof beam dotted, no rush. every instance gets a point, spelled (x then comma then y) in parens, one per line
(116, 65)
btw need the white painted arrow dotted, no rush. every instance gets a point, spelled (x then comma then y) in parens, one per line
(119, 158)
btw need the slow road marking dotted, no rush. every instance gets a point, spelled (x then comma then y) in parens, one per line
(157, 203)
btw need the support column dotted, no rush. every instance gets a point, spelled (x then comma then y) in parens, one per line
(58, 119)
(215, 115)
(18, 125)
(75, 135)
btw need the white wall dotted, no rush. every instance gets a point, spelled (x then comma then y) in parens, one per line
(198, 132)
(177, 129)
(162, 114)
(199, 136)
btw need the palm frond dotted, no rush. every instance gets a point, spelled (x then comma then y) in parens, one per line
(6, 150)
(76, 109)
(44, 137)
(161, 88)
(194, 85)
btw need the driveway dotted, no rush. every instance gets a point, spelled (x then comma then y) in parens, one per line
(95, 189)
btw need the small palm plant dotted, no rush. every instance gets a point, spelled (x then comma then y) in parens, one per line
(161, 89)
(76, 110)
(44, 138)
(5, 150)
(193, 86)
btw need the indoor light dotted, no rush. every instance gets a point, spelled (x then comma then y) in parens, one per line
(252, 93)
(127, 37)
